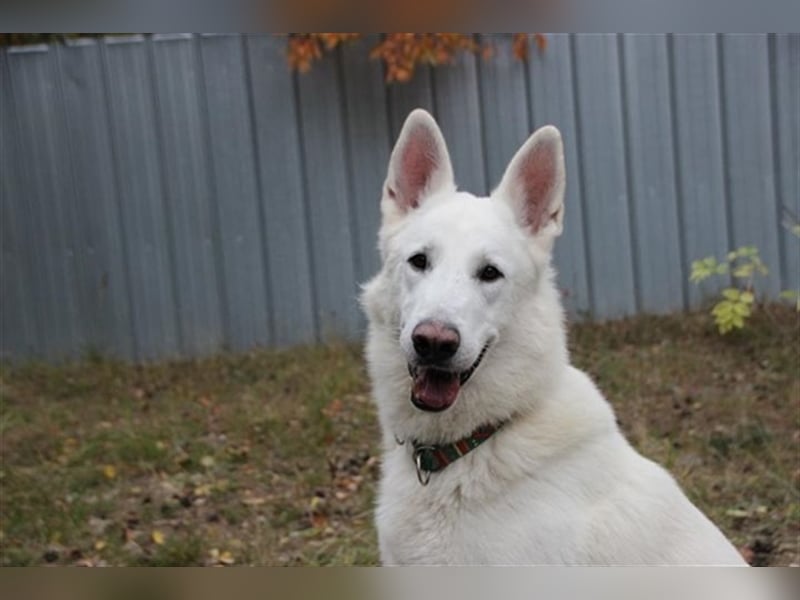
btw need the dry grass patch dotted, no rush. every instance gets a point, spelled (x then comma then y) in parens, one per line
(270, 458)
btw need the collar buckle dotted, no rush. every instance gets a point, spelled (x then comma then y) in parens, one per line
(423, 475)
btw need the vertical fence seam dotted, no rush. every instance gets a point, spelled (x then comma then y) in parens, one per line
(677, 169)
(114, 146)
(260, 191)
(633, 235)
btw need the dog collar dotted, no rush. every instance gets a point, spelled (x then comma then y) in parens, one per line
(430, 458)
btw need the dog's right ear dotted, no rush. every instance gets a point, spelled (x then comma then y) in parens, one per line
(419, 165)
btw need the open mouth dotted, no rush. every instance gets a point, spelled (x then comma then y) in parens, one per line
(435, 389)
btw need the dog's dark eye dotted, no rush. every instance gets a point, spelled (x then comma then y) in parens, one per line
(489, 273)
(419, 261)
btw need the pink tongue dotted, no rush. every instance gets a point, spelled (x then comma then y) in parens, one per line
(436, 389)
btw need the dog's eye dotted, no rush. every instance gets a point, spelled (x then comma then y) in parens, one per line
(419, 261)
(489, 273)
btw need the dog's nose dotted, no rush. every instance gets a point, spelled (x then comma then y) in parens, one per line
(435, 341)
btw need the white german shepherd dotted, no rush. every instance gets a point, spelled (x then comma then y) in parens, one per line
(496, 449)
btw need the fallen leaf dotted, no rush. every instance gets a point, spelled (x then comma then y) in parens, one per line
(737, 513)
(99, 545)
(333, 409)
(226, 558)
(109, 471)
(84, 562)
(207, 461)
(202, 490)
(133, 548)
(98, 526)
(157, 537)
(319, 521)
(253, 501)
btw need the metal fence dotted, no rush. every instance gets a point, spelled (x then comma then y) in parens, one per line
(179, 195)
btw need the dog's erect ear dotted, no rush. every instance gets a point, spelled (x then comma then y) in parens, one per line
(534, 183)
(419, 165)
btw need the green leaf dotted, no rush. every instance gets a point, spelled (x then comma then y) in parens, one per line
(749, 251)
(731, 293)
(747, 297)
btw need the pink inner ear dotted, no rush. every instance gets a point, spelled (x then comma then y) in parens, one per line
(537, 179)
(418, 162)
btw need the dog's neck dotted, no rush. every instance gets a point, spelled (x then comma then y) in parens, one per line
(431, 458)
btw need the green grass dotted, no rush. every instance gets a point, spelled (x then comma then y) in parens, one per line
(271, 458)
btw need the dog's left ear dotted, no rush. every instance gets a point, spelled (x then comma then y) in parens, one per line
(533, 183)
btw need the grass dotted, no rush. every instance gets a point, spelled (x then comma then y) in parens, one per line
(271, 458)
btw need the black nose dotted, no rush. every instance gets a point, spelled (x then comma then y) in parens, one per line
(435, 341)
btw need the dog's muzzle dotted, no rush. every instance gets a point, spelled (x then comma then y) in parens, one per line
(434, 388)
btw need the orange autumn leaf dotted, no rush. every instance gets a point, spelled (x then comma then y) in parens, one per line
(401, 53)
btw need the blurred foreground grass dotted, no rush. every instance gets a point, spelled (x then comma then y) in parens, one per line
(271, 458)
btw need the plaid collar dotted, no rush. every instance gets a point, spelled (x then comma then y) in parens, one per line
(430, 458)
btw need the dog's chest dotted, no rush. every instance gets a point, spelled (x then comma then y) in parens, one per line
(422, 524)
(457, 520)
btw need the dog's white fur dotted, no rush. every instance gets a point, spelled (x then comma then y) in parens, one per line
(558, 484)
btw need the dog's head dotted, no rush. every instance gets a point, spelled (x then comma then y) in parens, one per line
(463, 277)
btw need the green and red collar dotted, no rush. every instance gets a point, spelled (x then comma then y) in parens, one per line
(430, 458)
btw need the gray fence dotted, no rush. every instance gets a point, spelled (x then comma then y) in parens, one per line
(178, 195)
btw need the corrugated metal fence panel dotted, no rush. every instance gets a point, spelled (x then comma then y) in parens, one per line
(457, 102)
(44, 182)
(281, 175)
(237, 198)
(189, 195)
(602, 160)
(328, 197)
(651, 173)
(786, 140)
(146, 230)
(103, 282)
(368, 145)
(504, 106)
(179, 195)
(553, 101)
(750, 162)
(700, 159)
(18, 327)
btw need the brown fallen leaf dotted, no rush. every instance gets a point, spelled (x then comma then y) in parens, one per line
(333, 409)
(319, 521)
(253, 501)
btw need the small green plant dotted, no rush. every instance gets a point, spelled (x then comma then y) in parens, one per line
(744, 265)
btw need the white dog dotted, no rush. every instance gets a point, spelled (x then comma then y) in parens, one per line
(496, 449)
